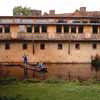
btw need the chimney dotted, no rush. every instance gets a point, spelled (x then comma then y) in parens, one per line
(52, 12)
(36, 12)
(83, 9)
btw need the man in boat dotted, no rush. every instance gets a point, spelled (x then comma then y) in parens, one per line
(42, 67)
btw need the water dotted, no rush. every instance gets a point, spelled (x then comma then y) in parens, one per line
(62, 71)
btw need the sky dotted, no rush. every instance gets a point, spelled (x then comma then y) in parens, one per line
(60, 6)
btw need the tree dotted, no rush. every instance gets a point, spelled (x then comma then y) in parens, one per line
(95, 62)
(20, 11)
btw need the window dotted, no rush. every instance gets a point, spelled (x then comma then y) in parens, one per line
(62, 21)
(84, 21)
(29, 28)
(22, 28)
(36, 28)
(42, 46)
(44, 28)
(73, 29)
(66, 29)
(94, 22)
(80, 29)
(94, 45)
(77, 21)
(60, 46)
(1, 30)
(24, 46)
(58, 28)
(77, 46)
(7, 28)
(95, 29)
(7, 46)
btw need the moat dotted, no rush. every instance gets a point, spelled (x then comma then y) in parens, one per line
(62, 71)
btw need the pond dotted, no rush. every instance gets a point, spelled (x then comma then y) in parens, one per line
(62, 71)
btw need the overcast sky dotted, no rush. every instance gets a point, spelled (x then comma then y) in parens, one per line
(61, 6)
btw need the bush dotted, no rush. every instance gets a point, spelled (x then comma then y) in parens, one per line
(7, 98)
(54, 80)
(31, 81)
(95, 62)
(8, 80)
(13, 98)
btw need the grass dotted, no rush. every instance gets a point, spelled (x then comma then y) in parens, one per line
(49, 91)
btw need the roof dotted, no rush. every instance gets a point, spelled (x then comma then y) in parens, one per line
(81, 13)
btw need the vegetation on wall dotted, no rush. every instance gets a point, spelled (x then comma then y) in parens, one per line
(95, 62)
(95, 65)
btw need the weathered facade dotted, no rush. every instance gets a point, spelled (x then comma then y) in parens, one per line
(54, 38)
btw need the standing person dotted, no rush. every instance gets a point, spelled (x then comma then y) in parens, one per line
(25, 59)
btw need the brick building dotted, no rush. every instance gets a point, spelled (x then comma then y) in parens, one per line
(54, 38)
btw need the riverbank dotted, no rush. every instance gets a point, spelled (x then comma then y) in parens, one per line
(50, 91)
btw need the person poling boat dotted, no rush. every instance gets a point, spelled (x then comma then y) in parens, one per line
(25, 59)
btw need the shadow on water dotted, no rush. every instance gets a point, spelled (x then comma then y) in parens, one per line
(62, 71)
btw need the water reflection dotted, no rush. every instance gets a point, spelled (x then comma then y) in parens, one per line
(63, 71)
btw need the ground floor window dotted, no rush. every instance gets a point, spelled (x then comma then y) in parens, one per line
(60, 46)
(1, 29)
(7, 46)
(24, 46)
(42, 46)
(94, 45)
(77, 46)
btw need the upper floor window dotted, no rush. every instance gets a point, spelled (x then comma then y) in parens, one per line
(29, 28)
(95, 29)
(62, 21)
(66, 29)
(7, 28)
(44, 28)
(73, 29)
(22, 28)
(76, 21)
(80, 29)
(84, 21)
(36, 28)
(58, 28)
(94, 22)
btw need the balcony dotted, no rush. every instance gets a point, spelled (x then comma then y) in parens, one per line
(62, 37)
(5, 36)
(50, 37)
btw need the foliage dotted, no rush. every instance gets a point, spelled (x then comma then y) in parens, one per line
(54, 80)
(95, 62)
(31, 81)
(22, 11)
(45, 91)
(7, 98)
(9, 80)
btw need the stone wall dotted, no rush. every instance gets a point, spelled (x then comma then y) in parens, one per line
(50, 54)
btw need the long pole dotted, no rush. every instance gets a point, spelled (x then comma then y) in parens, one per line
(25, 71)
(69, 45)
